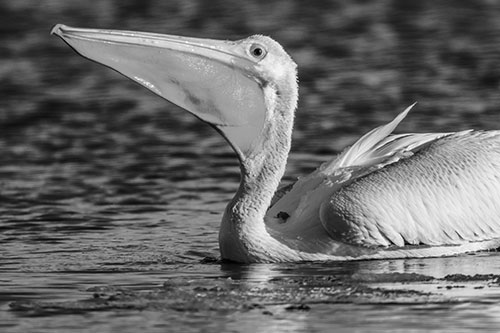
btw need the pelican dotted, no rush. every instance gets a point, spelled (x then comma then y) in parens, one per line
(386, 196)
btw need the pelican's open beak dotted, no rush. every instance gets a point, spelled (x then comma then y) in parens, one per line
(212, 79)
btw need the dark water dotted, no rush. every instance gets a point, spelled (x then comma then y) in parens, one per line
(108, 192)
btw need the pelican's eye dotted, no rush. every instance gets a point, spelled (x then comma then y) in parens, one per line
(257, 51)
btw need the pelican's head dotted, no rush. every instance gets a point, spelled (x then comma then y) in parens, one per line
(234, 86)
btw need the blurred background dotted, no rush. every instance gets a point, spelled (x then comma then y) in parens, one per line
(75, 133)
(360, 62)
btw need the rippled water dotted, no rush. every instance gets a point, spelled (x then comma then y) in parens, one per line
(106, 188)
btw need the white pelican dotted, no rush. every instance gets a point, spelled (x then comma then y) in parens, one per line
(386, 196)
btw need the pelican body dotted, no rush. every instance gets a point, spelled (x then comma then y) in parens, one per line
(386, 196)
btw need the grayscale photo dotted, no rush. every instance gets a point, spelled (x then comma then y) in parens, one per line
(249, 166)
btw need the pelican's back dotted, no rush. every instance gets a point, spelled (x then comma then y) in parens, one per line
(447, 193)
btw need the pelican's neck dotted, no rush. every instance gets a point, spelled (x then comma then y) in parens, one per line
(243, 228)
(262, 172)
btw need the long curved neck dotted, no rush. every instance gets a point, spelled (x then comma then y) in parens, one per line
(261, 174)
(243, 229)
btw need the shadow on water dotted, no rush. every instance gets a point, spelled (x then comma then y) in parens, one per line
(110, 198)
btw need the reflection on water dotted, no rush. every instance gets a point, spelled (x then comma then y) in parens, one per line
(103, 184)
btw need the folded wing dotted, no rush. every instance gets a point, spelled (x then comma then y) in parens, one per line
(405, 189)
(448, 193)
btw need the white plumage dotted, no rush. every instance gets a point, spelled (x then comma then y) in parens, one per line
(386, 196)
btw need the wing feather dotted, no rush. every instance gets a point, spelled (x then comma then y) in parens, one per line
(396, 190)
(372, 151)
(447, 193)
(367, 144)
(300, 202)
